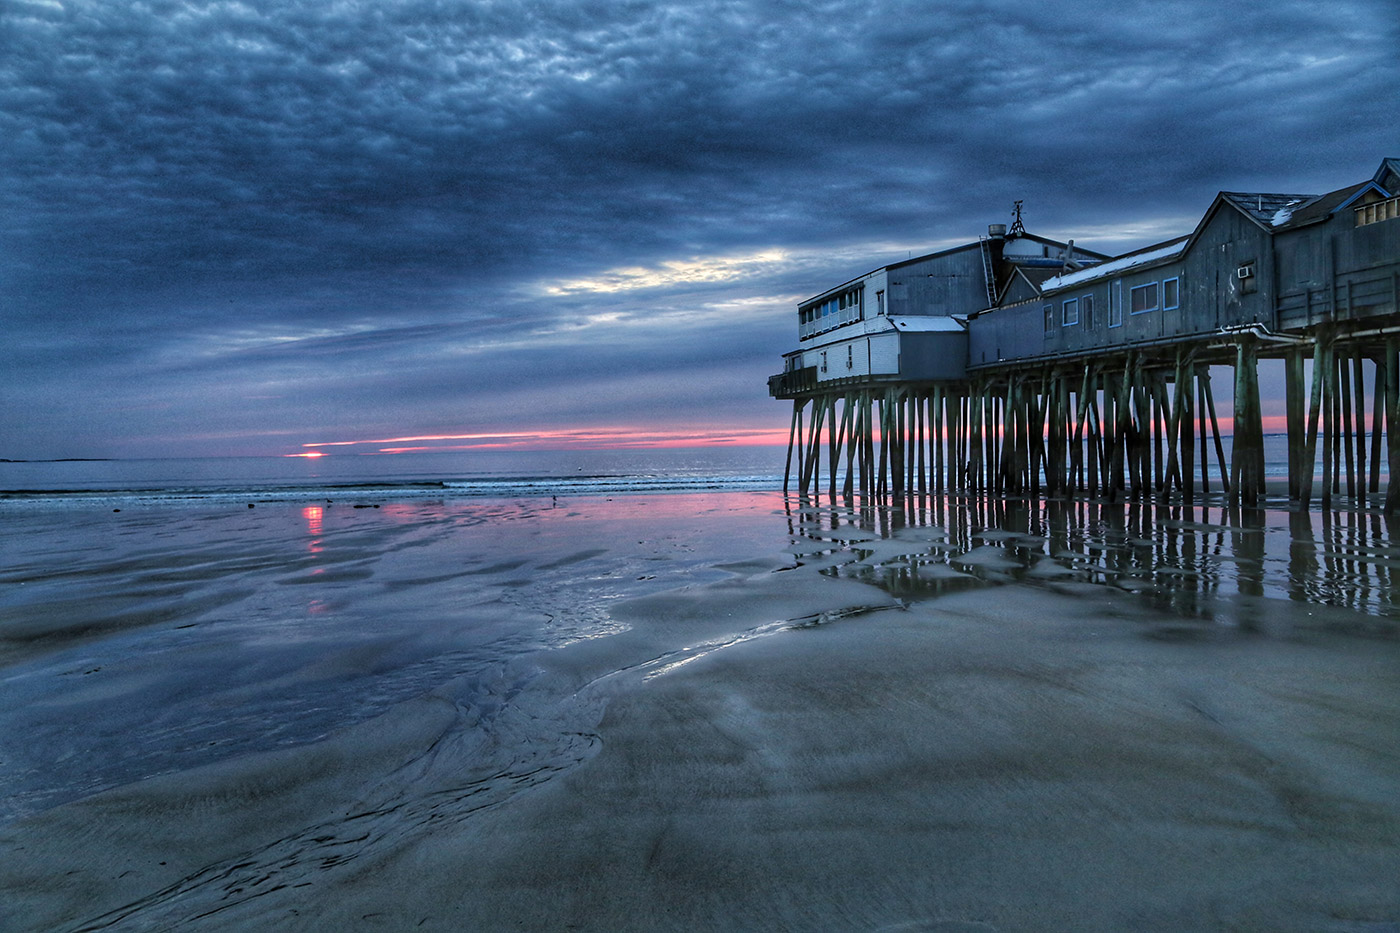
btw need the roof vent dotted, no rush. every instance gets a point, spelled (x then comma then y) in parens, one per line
(996, 231)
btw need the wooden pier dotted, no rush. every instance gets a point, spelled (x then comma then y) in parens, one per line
(1019, 365)
(1139, 424)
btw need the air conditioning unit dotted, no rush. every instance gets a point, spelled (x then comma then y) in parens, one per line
(1245, 271)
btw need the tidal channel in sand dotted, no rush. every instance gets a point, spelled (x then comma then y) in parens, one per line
(699, 711)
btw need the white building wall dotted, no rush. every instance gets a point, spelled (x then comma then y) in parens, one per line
(884, 354)
(841, 360)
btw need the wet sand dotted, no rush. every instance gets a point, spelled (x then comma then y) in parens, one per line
(1015, 744)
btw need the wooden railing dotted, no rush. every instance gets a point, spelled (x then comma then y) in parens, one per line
(790, 383)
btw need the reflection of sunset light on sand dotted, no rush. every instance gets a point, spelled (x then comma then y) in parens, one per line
(314, 515)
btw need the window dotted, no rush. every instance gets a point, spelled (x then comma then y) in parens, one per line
(823, 361)
(1071, 312)
(1086, 310)
(1115, 305)
(880, 303)
(1144, 298)
(850, 357)
(1049, 318)
(1171, 295)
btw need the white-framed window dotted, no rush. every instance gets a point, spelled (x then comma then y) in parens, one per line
(1086, 310)
(1071, 313)
(1115, 304)
(1171, 294)
(1144, 298)
(1049, 318)
(830, 313)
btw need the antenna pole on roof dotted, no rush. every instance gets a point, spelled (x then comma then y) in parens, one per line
(1017, 228)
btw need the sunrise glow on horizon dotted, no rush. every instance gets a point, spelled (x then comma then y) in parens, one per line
(620, 438)
(595, 439)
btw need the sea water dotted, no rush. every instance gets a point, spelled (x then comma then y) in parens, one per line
(493, 473)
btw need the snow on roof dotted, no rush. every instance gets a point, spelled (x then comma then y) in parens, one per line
(1121, 264)
(1263, 206)
(928, 323)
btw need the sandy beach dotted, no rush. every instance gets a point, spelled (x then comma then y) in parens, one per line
(709, 714)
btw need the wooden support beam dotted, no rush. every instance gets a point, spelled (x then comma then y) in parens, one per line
(1124, 448)
(1247, 450)
(1297, 440)
(837, 438)
(812, 458)
(921, 439)
(881, 482)
(1096, 446)
(1202, 378)
(1215, 434)
(1256, 426)
(1359, 385)
(1156, 391)
(1344, 384)
(1087, 388)
(939, 436)
(1329, 422)
(975, 402)
(1186, 422)
(1169, 471)
(1392, 424)
(794, 433)
(1377, 421)
(1321, 349)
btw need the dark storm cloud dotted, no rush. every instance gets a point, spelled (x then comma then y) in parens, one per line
(360, 197)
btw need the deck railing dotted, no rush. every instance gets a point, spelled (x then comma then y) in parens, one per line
(828, 322)
(790, 383)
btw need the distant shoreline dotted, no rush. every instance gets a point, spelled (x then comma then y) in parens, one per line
(60, 460)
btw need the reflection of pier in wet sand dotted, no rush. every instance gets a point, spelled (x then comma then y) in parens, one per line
(1191, 560)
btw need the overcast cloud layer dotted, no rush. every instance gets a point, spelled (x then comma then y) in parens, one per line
(240, 227)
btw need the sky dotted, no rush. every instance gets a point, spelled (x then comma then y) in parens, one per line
(241, 228)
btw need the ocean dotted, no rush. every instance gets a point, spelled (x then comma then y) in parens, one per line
(643, 689)
(490, 473)
(483, 473)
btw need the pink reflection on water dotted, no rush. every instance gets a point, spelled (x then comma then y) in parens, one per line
(314, 515)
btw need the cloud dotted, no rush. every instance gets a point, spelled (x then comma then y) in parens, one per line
(351, 192)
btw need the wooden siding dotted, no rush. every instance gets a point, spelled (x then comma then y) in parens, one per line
(1337, 271)
(942, 284)
(933, 357)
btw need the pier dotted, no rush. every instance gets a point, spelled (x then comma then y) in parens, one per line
(1021, 365)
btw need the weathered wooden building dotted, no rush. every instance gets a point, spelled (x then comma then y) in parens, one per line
(1016, 362)
(907, 322)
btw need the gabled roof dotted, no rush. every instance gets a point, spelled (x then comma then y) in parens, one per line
(1261, 207)
(962, 247)
(1036, 275)
(1389, 167)
(1323, 207)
